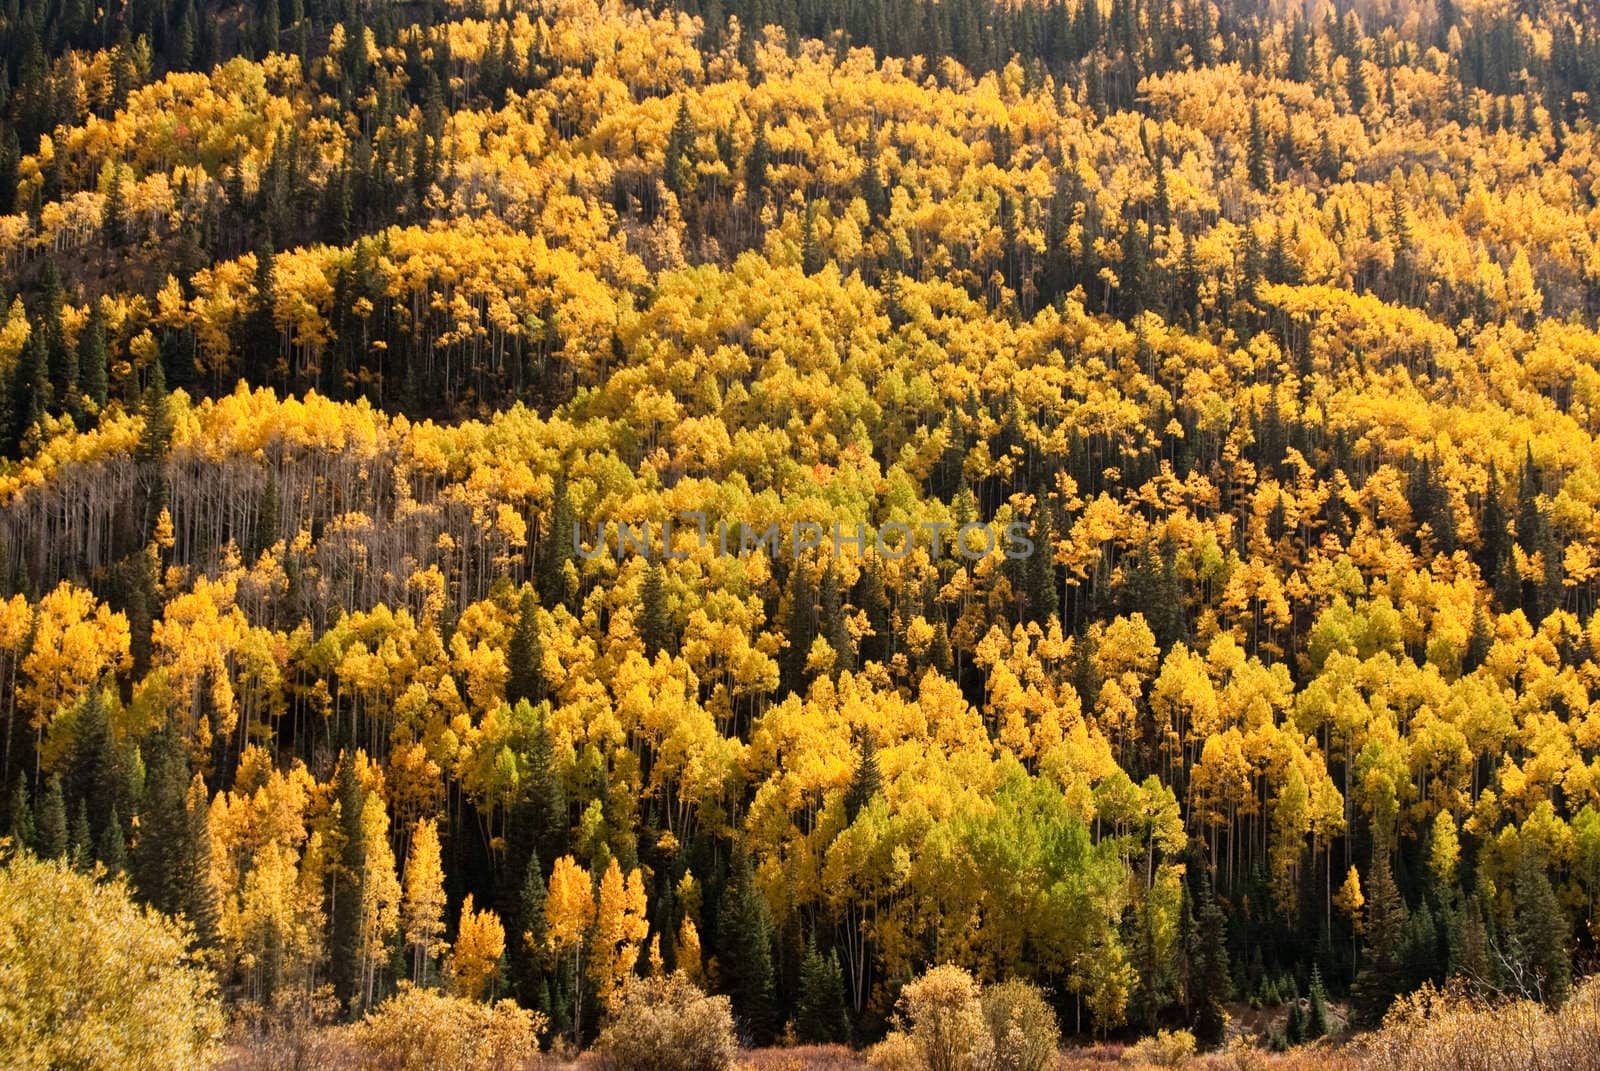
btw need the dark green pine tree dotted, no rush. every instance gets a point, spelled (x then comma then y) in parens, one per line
(155, 439)
(1356, 83)
(757, 162)
(1496, 535)
(873, 190)
(52, 833)
(525, 946)
(163, 824)
(345, 909)
(80, 842)
(867, 780)
(258, 332)
(23, 832)
(820, 1015)
(811, 253)
(61, 358)
(1540, 934)
(556, 548)
(112, 849)
(1381, 975)
(744, 954)
(93, 356)
(29, 400)
(1256, 162)
(1039, 570)
(1294, 1027)
(199, 895)
(833, 622)
(800, 628)
(655, 622)
(545, 795)
(679, 166)
(1317, 1018)
(1211, 982)
(524, 654)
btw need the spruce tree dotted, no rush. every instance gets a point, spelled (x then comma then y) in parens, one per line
(1256, 162)
(30, 393)
(93, 356)
(1317, 1019)
(744, 953)
(1212, 986)
(556, 548)
(1380, 977)
(524, 654)
(820, 1016)
(1540, 934)
(525, 947)
(345, 910)
(757, 162)
(112, 849)
(655, 623)
(52, 833)
(80, 843)
(867, 780)
(23, 832)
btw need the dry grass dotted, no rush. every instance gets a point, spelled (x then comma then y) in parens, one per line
(1429, 1031)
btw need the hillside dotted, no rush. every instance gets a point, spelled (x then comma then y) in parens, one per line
(1130, 472)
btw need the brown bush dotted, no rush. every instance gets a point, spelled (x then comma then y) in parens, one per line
(1022, 1025)
(668, 1024)
(423, 1030)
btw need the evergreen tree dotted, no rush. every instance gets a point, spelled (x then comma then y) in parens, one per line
(756, 165)
(811, 253)
(866, 782)
(113, 847)
(162, 824)
(680, 160)
(1540, 934)
(655, 623)
(526, 947)
(834, 625)
(93, 356)
(744, 953)
(525, 654)
(345, 908)
(30, 393)
(820, 1015)
(1212, 985)
(52, 833)
(23, 833)
(1317, 1018)
(199, 895)
(1380, 977)
(80, 843)
(556, 548)
(1256, 162)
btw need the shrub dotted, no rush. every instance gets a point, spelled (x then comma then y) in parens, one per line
(897, 1052)
(88, 980)
(943, 1013)
(1167, 1048)
(422, 1030)
(1022, 1026)
(668, 1024)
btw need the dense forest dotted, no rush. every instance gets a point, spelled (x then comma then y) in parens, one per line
(326, 323)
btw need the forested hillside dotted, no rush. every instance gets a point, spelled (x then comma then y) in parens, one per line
(1273, 325)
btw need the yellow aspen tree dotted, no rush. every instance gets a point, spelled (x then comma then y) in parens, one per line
(620, 927)
(569, 912)
(475, 960)
(424, 899)
(380, 896)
